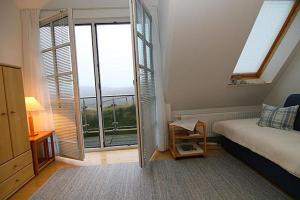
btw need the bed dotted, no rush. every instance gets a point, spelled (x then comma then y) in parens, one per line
(272, 152)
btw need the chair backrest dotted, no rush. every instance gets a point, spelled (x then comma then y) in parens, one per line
(292, 100)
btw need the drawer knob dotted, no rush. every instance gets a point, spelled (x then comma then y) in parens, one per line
(15, 166)
(3, 114)
(12, 112)
(17, 180)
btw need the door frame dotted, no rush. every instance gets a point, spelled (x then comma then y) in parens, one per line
(97, 80)
(75, 81)
(136, 83)
(93, 23)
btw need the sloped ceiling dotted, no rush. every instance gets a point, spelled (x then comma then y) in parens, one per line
(201, 45)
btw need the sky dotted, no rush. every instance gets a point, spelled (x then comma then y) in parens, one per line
(115, 55)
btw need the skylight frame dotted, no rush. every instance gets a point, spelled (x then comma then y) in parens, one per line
(292, 14)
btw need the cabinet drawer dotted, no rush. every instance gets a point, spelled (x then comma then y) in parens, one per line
(11, 167)
(15, 182)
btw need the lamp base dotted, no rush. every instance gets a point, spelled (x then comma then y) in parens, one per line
(33, 134)
(31, 126)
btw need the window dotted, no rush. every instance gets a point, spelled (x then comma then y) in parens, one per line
(269, 28)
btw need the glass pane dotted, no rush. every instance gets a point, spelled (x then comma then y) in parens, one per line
(45, 35)
(61, 31)
(140, 44)
(47, 63)
(116, 73)
(52, 88)
(90, 122)
(268, 23)
(126, 111)
(66, 87)
(151, 83)
(148, 28)
(85, 60)
(87, 90)
(115, 57)
(149, 57)
(139, 18)
(143, 82)
(63, 56)
(119, 120)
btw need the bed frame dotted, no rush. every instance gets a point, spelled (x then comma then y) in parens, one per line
(277, 175)
(273, 172)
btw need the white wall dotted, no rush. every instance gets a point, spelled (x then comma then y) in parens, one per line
(288, 82)
(98, 10)
(10, 34)
(55, 4)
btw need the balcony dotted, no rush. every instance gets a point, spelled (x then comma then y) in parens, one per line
(118, 119)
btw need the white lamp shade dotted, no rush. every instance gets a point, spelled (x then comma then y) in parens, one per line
(32, 104)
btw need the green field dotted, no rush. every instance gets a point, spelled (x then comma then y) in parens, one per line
(125, 116)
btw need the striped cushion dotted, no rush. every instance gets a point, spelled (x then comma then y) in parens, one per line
(277, 117)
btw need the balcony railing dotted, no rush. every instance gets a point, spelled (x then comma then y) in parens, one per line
(119, 120)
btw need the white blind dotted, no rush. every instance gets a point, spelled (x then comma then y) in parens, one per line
(268, 23)
(144, 54)
(58, 70)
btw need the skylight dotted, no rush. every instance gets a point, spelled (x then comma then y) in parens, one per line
(270, 21)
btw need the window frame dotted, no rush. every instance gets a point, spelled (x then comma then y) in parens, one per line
(290, 18)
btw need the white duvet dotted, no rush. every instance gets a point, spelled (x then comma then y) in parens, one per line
(280, 146)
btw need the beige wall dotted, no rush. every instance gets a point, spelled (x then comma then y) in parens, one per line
(206, 42)
(10, 34)
(288, 82)
(201, 46)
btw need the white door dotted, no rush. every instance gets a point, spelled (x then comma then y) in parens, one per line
(141, 21)
(60, 70)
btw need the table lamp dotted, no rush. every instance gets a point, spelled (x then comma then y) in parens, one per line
(32, 105)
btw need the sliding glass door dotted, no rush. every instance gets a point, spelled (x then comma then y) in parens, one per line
(117, 90)
(105, 69)
(87, 86)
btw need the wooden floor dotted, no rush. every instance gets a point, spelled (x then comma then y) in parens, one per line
(93, 158)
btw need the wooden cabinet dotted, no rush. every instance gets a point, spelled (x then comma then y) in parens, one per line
(6, 152)
(16, 167)
(15, 102)
(16, 181)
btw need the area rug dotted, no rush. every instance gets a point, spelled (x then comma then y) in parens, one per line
(218, 177)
